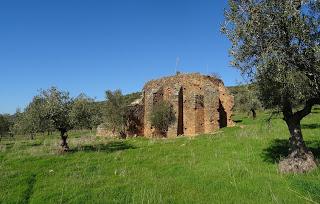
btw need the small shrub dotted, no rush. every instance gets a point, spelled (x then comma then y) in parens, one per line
(162, 116)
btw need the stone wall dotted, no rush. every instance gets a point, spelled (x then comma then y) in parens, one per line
(201, 103)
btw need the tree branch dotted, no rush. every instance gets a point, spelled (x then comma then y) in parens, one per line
(307, 108)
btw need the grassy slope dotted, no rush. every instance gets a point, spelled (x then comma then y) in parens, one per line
(236, 165)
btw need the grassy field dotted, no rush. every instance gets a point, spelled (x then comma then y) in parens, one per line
(235, 165)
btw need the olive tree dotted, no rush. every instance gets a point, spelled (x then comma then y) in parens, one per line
(82, 112)
(115, 111)
(17, 127)
(96, 109)
(246, 99)
(33, 120)
(162, 116)
(275, 43)
(4, 125)
(57, 108)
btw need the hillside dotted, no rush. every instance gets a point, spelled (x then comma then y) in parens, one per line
(235, 165)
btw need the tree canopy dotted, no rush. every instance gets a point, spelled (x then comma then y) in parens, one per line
(33, 119)
(275, 43)
(85, 114)
(116, 110)
(246, 98)
(5, 125)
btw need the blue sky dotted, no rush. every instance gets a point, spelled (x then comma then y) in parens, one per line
(90, 46)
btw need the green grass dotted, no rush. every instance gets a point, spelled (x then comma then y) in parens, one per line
(235, 165)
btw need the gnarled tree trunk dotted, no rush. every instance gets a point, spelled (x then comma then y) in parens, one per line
(300, 159)
(297, 144)
(64, 136)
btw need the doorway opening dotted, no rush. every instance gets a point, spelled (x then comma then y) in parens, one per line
(222, 116)
(180, 130)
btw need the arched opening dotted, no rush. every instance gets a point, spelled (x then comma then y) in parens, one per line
(222, 116)
(180, 130)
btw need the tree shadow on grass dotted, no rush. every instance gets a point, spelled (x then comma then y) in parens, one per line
(310, 126)
(30, 186)
(108, 147)
(35, 144)
(279, 148)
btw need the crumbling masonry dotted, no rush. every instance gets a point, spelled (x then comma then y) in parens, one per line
(201, 104)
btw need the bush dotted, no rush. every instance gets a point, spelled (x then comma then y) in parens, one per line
(4, 125)
(162, 116)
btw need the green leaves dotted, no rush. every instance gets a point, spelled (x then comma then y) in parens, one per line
(82, 112)
(47, 111)
(57, 107)
(5, 125)
(33, 119)
(276, 44)
(117, 111)
(246, 98)
(162, 116)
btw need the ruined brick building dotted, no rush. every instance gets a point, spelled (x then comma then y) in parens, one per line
(201, 104)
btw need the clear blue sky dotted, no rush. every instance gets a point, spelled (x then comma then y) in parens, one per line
(93, 45)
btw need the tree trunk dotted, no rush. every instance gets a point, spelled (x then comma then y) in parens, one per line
(297, 145)
(300, 159)
(64, 143)
(254, 114)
